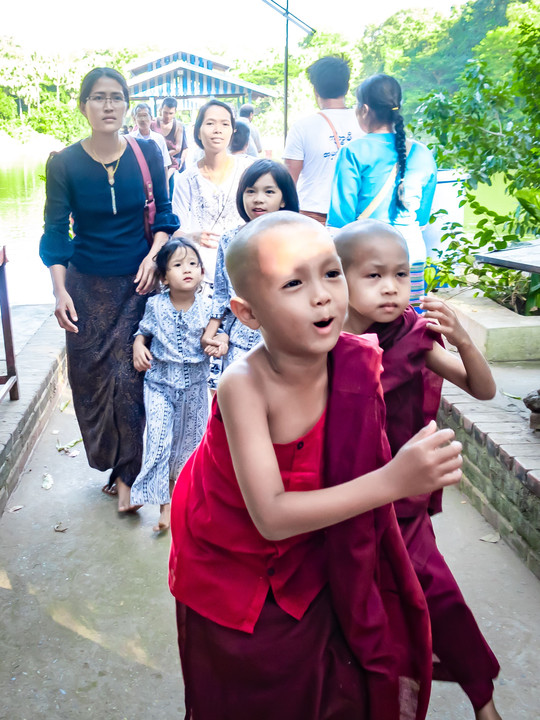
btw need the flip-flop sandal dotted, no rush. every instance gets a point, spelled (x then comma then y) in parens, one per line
(110, 490)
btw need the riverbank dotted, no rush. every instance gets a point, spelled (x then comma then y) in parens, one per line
(22, 198)
(26, 144)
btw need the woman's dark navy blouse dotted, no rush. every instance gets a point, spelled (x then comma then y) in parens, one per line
(104, 244)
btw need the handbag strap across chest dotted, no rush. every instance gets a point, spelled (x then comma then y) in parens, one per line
(145, 172)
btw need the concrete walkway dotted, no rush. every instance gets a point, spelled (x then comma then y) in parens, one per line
(86, 619)
(87, 623)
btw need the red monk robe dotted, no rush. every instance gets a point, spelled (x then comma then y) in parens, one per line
(258, 632)
(412, 395)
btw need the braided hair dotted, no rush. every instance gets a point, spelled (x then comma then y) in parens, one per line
(382, 94)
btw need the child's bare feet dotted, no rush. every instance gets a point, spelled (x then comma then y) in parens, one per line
(124, 499)
(488, 712)
(164, 521)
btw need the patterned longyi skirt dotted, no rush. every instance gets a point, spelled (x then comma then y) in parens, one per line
(107, 390)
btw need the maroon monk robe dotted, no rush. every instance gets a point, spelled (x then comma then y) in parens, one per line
(412, 392)
(374, 592)
(412, 396)
(376, 595)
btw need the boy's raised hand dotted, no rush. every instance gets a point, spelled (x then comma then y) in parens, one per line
(446, 319)
(429, 461)
(470, 370)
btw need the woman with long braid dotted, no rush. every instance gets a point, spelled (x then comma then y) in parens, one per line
(385, 176)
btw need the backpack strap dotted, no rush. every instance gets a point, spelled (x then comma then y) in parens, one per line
(334, 131)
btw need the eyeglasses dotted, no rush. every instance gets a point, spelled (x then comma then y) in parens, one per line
(116, 99)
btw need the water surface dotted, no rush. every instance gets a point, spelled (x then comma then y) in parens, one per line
(22, 197)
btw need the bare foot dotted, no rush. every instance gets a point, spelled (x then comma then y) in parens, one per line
(110, 489)
(124, 499)
(488, 712)
(164, 521)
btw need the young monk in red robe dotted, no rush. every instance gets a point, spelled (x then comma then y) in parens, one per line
(376, 266)
(295, 445)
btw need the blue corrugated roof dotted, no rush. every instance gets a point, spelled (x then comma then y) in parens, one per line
(183, 78)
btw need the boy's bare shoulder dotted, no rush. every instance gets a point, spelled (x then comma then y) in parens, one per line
(243, 381)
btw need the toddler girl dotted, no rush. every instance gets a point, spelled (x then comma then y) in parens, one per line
(266, 186)
(175, 383)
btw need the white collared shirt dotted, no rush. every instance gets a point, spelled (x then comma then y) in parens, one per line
(158, 139)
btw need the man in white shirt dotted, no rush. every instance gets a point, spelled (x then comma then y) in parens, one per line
(314, 141)
(142, 116)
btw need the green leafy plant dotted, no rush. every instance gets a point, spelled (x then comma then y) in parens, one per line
(511, 288)
(456, 264)
(491, 128)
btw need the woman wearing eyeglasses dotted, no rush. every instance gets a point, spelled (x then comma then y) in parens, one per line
(102, 271)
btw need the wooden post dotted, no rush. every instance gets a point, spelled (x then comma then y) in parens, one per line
(9, 380)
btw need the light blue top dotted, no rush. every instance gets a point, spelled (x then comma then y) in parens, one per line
(178, 359)
(362, 168)
(239, 334)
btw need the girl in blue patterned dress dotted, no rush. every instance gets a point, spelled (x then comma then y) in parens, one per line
(175, 383)
(265, 186)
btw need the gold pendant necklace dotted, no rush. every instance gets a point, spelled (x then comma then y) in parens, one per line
(110, 176)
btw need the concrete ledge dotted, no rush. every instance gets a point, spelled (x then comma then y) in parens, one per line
(41, 367)
(501, 469)
(501, 334)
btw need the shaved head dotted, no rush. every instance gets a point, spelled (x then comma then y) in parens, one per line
(243, 256)
(352, 237)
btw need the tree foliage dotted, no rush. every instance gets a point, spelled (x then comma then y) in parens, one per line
(389, 47)
(8, 106)
(490, 127)
(58, 120)
(44, 89)
(426, 51)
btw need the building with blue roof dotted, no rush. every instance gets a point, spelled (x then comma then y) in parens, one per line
(190, 78)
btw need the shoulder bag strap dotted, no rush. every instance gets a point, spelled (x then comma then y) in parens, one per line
(147, 178)
(383, 192)
(336, 137)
